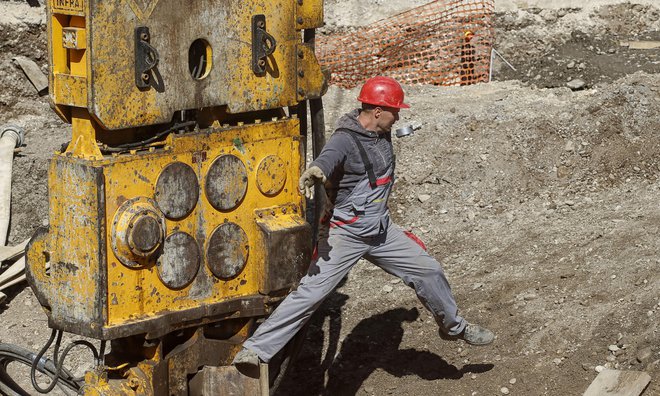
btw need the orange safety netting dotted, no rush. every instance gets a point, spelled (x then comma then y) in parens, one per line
(424, 45)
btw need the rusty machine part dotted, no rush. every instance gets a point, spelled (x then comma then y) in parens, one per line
(175, 220)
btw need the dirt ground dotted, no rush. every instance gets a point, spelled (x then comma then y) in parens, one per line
(540, 201)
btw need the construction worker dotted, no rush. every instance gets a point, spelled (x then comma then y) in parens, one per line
(468, 55)
(358, 164)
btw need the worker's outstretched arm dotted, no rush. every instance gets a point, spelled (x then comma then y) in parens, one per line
(331, 157)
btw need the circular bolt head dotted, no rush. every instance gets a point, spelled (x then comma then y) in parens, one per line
(299, 20)
(301, 73)
(144, 36)
(145, 77)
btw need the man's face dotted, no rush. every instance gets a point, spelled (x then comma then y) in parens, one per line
(386, 117)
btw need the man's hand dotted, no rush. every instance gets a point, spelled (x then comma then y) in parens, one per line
(308, 179)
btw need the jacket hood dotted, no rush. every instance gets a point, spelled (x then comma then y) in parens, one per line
(350, 121)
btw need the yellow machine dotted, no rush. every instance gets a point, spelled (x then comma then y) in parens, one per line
(175, 219)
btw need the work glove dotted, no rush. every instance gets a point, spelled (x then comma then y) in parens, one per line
(308, 179)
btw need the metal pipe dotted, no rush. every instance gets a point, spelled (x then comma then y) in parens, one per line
(10, 138)
(318, 140)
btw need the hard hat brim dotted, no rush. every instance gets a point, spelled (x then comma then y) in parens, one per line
(399, 106)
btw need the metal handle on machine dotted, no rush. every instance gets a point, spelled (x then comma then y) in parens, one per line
(263, 44)
(146, 57)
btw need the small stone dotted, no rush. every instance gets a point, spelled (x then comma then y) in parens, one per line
(576, 84)
(423, 197)
(599, 369)
(644, 354)
(570, 146)
(556, 361)
(473, 376)
(387, 288)
(611, 358)
(395, 281)
(570, 65)
(369, 389)
(613, 348)
(512, 381)
(504, 390)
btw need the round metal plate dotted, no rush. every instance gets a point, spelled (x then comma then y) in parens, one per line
(177, 190)
(271, 175)
(179, 263)
(145, 232)
(137, 232)
(226, 182)
(227, 251)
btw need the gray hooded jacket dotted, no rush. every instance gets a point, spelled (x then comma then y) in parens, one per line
(341, 162)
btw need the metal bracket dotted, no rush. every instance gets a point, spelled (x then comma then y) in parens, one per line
(146, 57)
(263, 44)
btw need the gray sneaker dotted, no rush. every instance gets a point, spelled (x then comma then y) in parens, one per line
(472, 334)
(246, 359)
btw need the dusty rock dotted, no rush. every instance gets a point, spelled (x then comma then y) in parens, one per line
(423, 197)
(576, 84)
(644, 354)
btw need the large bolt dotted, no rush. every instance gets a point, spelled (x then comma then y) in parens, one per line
(145, 77)
(133, 382)
(144, 36)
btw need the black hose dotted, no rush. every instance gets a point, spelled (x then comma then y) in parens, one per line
(132, 145)
(12, 353)
(58, 360)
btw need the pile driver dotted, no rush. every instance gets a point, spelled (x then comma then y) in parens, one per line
(175, 222)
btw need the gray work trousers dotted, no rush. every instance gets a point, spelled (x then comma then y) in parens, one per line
(392, 251)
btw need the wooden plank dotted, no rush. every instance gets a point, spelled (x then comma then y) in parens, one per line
(12, 272)
(33, 73)
(641, 44)
(12, 252)
(618, 383)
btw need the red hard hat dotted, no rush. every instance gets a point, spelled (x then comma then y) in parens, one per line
(382, 91)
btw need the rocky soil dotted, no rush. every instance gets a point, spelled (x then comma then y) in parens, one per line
(540, 201)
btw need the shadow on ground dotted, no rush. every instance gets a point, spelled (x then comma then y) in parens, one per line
(327, 369)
